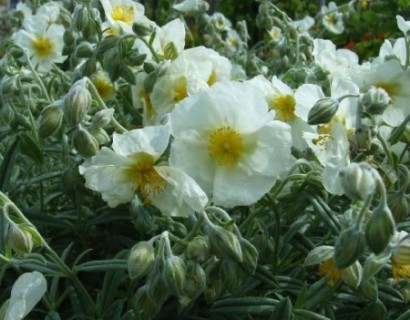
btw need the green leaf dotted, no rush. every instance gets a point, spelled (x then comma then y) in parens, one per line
(25, 294)
(283, 310)
(30, 148)
(103, 265)
(309, 315)
(7, 165)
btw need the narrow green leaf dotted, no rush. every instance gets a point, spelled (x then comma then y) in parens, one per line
(7, 165)
(309, 315)
(30, 148)
(283, 310)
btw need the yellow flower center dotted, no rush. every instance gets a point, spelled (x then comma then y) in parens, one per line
(400, 271)
(42, 47)
(180, 90)
(144, 176)
(225, 146)
(388, 87)
(284, 106)
(330, 19)
(104, 86)
(324, 131)
(212, 78)
(123, 13)
(328, 268)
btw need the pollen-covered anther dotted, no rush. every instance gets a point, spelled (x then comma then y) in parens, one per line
(146, 179)
(284, 106)
(225, 146)
(123, 13)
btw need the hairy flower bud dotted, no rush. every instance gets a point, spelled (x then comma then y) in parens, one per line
(195, 281)
(174, 274)
(358, 180)
(323, 111)
(198, 249)
(349, 247)
(141, 259)
(375, 101)
(145, 305)
(84, 50)
(399, 204)
(224, 242)
(379, 229)
(76, 103)
(80, 18)
(250, 255)
(19, 240)
(99, 134)
(85, 143)
(69, 37)
(50, 120)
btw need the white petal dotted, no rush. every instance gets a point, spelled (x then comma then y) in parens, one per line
(152, 140)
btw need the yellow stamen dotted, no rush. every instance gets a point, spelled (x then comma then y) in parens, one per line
(180, 90)
(400, 271)
(144, 176)
(284, 106)
(212, 78)
(103, 85)
(225, 146)
(123, 13)
(328, 268)
(330, 19)
(42, 47)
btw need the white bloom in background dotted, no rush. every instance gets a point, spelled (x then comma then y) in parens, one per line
(332, 19)
(220, 22)
(390, 76)
(281, 100)
(131, 167)
(339, 62)
(276, 34)
(396, 49)
(121, 15)
(49, 11)
(228, 141)
(171, 33)
(403, 25)
(43, 42)
(304, 24)
(330, 142)
(191, 6)
(233, 42)
(194, 70)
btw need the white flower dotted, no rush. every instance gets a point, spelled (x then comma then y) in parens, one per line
(390, 76)
(330, 142)
(171, 33)
(226, 139)
(132, 167)
(121, 15)
(403, 25)
(276, 34)
(339, 62)
(194, 70)
(304, 24)
(397, 50)
(332, 19)
(220, 22)
(43, 42)
(281, 100)
(191, 6)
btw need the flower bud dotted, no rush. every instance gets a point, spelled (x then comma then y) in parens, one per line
(358, 180)
(141, 259)
(369, 289)
(76, 103)
(174, 274)
(323, 111)
(379, 229)
(399, 204)
(349, 247)
(401, 254)
(195, 281)
(19, 240)
(80, 18)
(100, 135)
(198, 249)
(50, 121)
(229, 273)
(375, 101)
(85, 143)
(69, 37)
(353, 274)
(224, 242)
(142, 29)
(145, 305)
(250, 255)
(84, 50)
